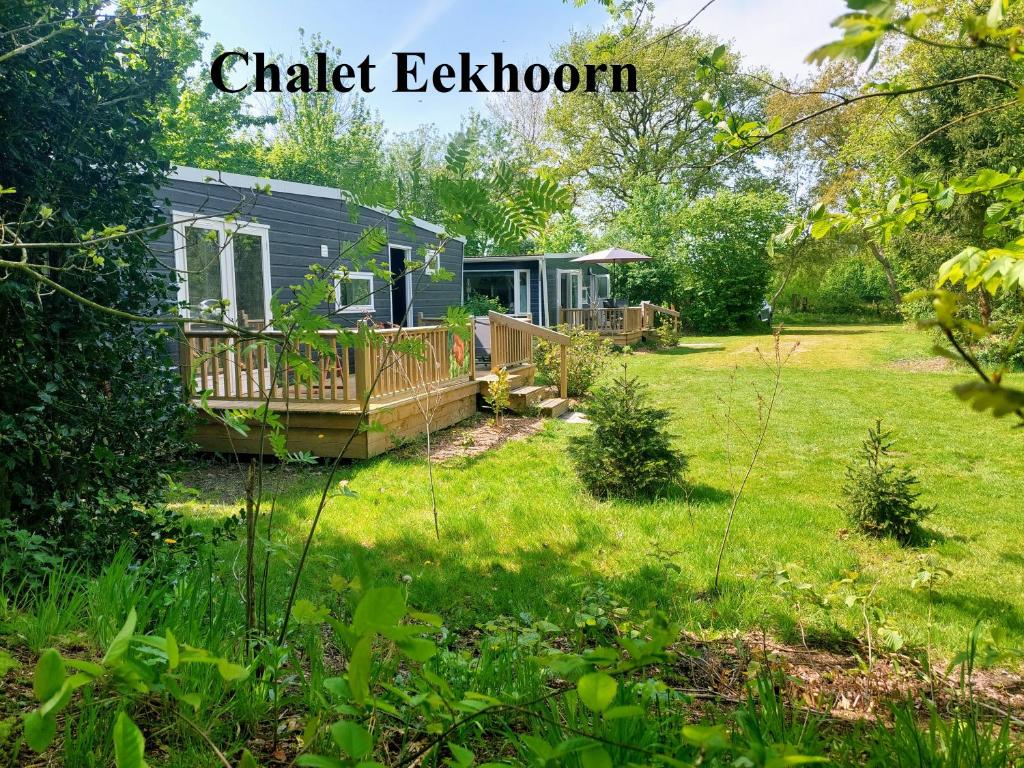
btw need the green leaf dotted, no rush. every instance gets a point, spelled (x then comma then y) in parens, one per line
(984, 396)
(381, 607)
(461, 756)
(416, 648)
(39, 730)
(709, 737)
(49, 675)
(119, 645)
(359, 671)
(597, 690)
(596, 757)
(129, 745)
(305, 612)
(247, 761)
(230, 671)
(172, 650)
(7, 663)
(352, 738)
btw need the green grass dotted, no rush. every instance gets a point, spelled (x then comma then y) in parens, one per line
(518, 533)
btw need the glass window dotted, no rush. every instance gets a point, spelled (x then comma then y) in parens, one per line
(497, 285)
(202, 265)
(604, 286)
(569, 289)
(522, 291)
(249, 276)
(354, 292)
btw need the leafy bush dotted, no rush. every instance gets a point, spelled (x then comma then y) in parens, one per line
(629, 452)
(92, 409)
(852, 284)
(479, 305)
(1004, 347)
(880, 496)
(729, 269)
(498, 393)
(588, 358)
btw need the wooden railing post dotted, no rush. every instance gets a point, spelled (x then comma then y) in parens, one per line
(364, 372)
(472, 348)
(185, 368)
(563, 371)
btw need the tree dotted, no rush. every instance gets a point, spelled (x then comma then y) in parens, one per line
(728, 269)
(331, 139)
(651, 224)
(91, 409)
(210, 128)
(611, 141)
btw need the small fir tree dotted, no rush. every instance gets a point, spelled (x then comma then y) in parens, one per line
(880, 496)
(629, 452)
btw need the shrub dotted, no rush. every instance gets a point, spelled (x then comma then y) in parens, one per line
(498, 394)
(666, 336)
(880, 496)
(629, 452)
(1004, 347)
(853, 284)
(92, 410)
(588, 357)
(728, 270)
(479, 305)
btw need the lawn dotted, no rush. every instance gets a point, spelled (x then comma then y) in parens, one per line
(518, 534)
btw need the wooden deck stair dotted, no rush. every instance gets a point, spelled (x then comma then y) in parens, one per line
(554, 407)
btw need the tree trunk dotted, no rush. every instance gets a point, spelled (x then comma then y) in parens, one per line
(984, 306)
(894, 291)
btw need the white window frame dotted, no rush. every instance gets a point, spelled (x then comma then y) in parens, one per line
(226, 230)
(354, 308)
(516, 273)
(608, 282)
(431, 260)
(407, 277)
(558, 287)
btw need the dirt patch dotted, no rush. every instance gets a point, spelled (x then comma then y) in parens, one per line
(924, 365)
(838, 683)
(480, 434)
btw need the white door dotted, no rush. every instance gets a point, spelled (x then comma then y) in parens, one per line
(570, 288)
(521, 292)
(219, 261)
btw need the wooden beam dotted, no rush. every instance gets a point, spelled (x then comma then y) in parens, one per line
(541, 333)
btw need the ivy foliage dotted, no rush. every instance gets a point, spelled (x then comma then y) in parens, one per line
(91, 412)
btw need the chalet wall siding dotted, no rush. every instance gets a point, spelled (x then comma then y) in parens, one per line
(300, 224)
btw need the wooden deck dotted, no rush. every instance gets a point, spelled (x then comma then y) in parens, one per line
(625, 326)
(321, 390)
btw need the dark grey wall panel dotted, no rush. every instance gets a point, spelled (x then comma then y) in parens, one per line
(299, 224)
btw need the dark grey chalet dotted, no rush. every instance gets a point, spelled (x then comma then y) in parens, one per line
(237, 241)
(269, 241)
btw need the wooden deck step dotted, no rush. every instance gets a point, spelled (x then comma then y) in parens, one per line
(554, 407)
(524, 399)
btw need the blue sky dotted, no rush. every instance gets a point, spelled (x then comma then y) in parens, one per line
(769, 33)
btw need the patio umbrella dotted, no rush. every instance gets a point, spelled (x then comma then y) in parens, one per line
(611, 256)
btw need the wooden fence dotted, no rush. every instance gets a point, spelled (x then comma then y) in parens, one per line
(228, 366)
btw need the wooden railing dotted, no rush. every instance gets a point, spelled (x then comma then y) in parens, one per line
(229, 367)
(512, 345)
(610, 320)
(654, 314)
